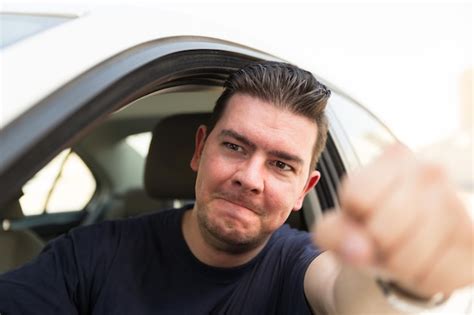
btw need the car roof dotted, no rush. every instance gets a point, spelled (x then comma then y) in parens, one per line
(91, 37)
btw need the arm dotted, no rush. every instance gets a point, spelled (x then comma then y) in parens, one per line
(402, 218)
(334, 288)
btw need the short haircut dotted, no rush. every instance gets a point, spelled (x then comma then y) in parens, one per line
(285, 86)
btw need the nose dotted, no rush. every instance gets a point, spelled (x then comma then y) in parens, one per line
(249, 176)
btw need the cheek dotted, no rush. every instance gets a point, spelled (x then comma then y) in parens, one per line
(212, 172)
(280, 200)
(285, 193)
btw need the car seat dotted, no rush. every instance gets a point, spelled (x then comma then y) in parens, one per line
(168, 179)
(17, 246)
(168, 174)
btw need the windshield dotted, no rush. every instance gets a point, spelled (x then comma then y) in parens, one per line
(15, 27)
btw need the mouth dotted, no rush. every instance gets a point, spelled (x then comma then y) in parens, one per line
(239, 203)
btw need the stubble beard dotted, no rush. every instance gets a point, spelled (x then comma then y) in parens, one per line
(229, 243)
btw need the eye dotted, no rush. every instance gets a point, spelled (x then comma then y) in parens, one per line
(233, 146)
(282, 166)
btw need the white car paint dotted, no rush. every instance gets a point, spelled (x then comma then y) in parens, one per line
(65, 51)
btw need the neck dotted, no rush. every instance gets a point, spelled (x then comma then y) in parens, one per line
(207, 253)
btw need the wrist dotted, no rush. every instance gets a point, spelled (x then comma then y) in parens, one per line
(407, 301)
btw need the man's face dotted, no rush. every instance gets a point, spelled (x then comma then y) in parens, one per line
(253, 170)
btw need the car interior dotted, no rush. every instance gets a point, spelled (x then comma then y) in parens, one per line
(129, 183)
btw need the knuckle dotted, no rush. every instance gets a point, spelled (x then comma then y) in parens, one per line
(347, 187)
(384, 241)
(430, 172)
(352, 199)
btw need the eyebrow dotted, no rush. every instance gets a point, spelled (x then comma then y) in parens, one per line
(287, 157)
(233, 134)
(279, 154)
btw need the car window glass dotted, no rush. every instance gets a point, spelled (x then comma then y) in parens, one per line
(367, 135)
(65, 184)
(140, 142)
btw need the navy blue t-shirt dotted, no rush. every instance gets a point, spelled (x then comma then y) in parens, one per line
(144, 266)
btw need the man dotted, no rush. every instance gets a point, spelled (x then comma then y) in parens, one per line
(229, 254)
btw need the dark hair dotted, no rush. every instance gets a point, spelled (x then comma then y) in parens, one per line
(283, 85)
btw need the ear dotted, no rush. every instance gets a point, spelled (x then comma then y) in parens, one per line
(311, 182)
(200, 139)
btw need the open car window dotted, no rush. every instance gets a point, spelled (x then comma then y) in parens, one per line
(65, 184)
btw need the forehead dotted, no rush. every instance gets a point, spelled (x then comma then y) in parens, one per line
(268, 126)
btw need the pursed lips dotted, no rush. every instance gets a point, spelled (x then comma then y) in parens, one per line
(240, 202)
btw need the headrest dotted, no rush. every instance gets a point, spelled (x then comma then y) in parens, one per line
(168, 174)
(12, 210)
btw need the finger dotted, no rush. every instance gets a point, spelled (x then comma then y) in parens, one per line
(366, 187)
(451, 270)
(401, 212)
(412, 257)
(453, 267)
(345, 237)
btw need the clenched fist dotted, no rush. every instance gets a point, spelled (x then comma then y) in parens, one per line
(403, 218)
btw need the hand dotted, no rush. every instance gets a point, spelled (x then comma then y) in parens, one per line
(403, 218)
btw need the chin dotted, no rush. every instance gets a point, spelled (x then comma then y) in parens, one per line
(230, 236)
(236, 243)
(234, 231)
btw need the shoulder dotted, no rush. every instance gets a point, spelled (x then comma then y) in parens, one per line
(287, 235)
(294, 245)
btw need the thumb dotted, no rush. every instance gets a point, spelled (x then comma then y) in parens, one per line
(345, 237)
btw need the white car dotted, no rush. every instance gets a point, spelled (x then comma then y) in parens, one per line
(82, 93)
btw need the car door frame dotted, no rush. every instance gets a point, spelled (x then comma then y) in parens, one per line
(68, 113)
